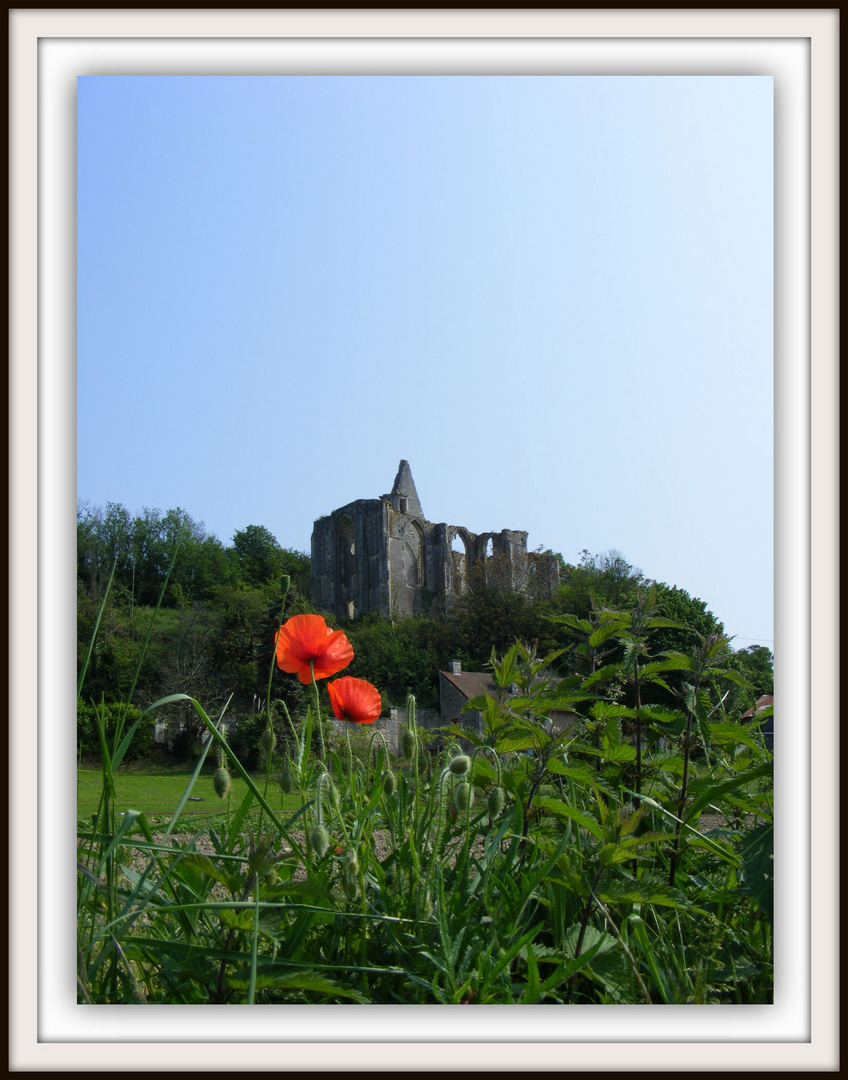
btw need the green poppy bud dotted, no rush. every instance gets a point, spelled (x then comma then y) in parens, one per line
(389, 783)
(268, 741)
(350, 884)
(320, 840)
(272, 876)
(286, 781)
(460, 765)
(462, 797)
(495, 801)
(408, 744)
(221, 781)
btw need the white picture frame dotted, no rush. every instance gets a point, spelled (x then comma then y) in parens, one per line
(48, 49)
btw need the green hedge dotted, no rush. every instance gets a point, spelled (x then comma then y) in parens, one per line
(88, 741)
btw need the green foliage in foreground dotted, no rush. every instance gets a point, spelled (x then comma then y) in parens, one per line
(525, 870)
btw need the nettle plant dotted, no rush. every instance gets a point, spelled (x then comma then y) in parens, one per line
(541, 858)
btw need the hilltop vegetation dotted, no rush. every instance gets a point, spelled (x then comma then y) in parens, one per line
(213, 635)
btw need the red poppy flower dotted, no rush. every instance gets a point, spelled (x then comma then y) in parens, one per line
(307, 638)
(355, 699)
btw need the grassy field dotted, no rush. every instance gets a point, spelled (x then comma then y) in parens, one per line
(158, 792)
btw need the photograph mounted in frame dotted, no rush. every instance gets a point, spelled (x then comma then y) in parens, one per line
(575, 797)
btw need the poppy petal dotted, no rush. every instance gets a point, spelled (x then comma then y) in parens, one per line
(305, 642)
(355, 699)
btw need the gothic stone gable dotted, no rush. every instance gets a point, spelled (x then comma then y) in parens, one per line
(382, 555)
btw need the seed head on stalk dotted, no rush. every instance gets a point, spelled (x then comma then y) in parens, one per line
(319, 838)
(286, 779)
(463, 796)
(268, 741)
(221, 781)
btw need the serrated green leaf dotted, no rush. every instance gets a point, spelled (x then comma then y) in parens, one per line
(203, 864)
(715, 791)
(657, 622)
(646, 671)
(609, 710)
(240, 919)
(518, 741)
(727, 733)
(612, 972)
(598, 941)
(562, 811)
(462, 732)
(619, 753)
(603, 674)
(605, 632)
(641, 892)
(758, 868)
(310, 982)
(579, 771)
(658, 714)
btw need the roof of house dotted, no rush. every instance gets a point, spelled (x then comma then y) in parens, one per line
(471, 683)
(761, 703)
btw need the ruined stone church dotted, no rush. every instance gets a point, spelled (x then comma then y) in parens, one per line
(382, 555)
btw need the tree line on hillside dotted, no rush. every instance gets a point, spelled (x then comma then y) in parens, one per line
(140, 550)
(214, 631)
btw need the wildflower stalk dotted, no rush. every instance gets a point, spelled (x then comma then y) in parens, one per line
(382, 737)
(415, 869)
(269, 711)
(254, 947)
(286, 582)
(681, 801)
(587, 911)
(269, 731)
(413, 727)
(441, 821)
(467, 844)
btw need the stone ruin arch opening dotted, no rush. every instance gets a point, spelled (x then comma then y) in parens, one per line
(383, 555)
(459, 546)
(413, 555)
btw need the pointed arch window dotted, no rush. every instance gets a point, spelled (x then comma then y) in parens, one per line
(459, 564)
(413, 555)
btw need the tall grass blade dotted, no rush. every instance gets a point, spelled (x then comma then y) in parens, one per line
(120, 726)
(192, 781)
(95, 631)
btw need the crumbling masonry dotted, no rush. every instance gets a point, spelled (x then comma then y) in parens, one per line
(382, 555)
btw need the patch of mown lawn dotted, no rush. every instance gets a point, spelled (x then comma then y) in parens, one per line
(157, 791)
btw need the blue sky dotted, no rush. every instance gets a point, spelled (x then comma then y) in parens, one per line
(551, 295)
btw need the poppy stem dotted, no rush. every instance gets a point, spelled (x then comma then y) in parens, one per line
(318, 710)
(349, 761)
(286, 582)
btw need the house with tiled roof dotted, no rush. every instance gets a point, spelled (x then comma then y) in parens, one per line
(767, 726)
(458, 687)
